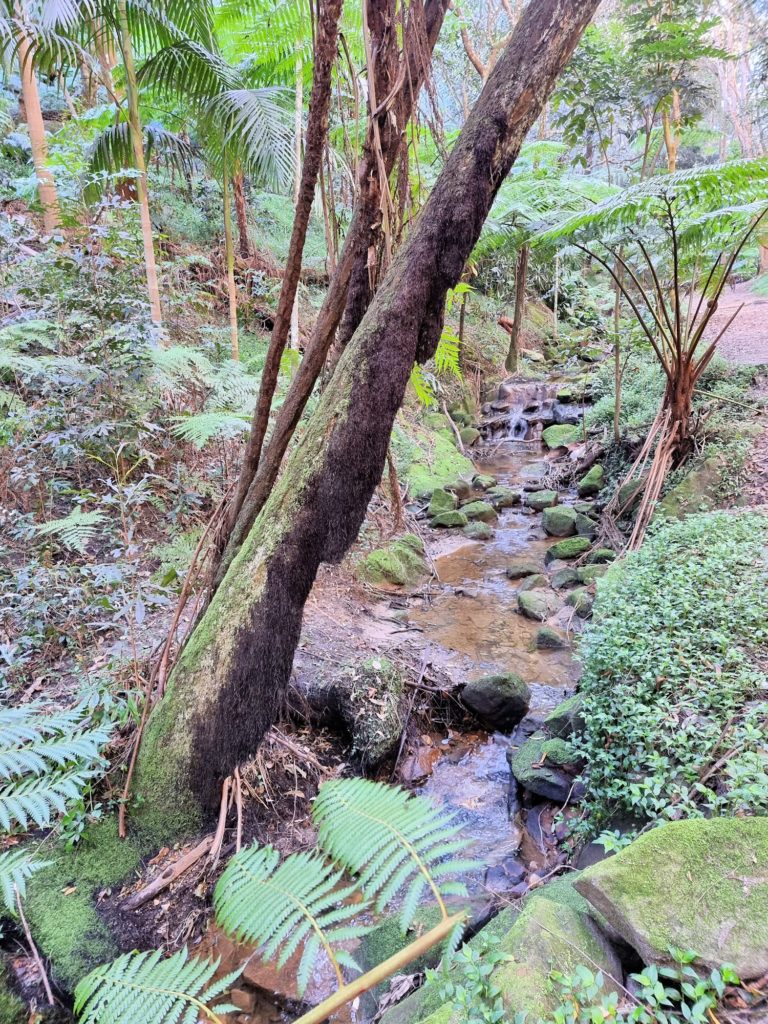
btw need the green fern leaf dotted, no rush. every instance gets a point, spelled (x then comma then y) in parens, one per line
(154, 990)
(16, 866)
(280, 905)
(386, 836)
(74, 531)
(205, 426)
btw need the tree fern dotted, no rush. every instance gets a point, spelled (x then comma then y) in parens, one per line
(391, 840)
(154, 990)
(74, 531)
(47, 758)
(280, 905)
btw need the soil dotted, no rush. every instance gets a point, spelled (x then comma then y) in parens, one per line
(746, 340)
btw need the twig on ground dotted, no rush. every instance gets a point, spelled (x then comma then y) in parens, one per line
(33, 948)
(169, 875)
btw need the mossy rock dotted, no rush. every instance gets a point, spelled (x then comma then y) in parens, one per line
(441, 501)
(582, 601)
(550, 640)
(697, 492)
(630, 494)
(477, 531)
(483, 481)
(503, 497)
(536, 582)
(539, 775)
(479, 511)
(426, 458)
(601, 556)
(517, 570)
(586, 508)
(562, 754)
(458, 486)
(460, 416)
(561, 434)
(592, 483)
(374, 728)
(13, 1010)
(696, 884)
(591, 355)
(538, 605)
(448, 520)
(589, 573)
(585, 527)
(469, 435)
(559, 521)
(401, 564)
(565, 578)
(501, 700)
(571, 547)
(539, 500)
(567, 719)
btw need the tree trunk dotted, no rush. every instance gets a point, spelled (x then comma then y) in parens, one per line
(46, 186)
(297, 141)
(231, 678)
(229, 247)
(319, 103)
(521, 282)
(137, 143)
(678, 398)
(244, 242)
(254, 487)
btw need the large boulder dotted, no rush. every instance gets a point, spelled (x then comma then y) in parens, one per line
(699, 885)
(501, 700)
(592, 483)
(559, 521)
(571, 547)
(538, 605)
(483, 481)
(441, 501)
(561, 434)
(448, 520)
(400, 564)
(479, 511)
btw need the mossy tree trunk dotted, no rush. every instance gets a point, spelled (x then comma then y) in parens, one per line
(230, 680)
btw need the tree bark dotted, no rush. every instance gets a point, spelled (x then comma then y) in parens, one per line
(46, 186)
(244, 242)
(258, 476)
(232, 675)
(137, 143)
(229, 248)
(521, 282)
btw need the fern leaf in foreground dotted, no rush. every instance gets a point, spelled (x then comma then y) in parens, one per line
(390, 839)
(74, 531)
(16, 866)
(154, 990)
(280, 905)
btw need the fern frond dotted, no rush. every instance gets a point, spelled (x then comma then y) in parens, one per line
(154, 990)
(447, 353)
(36, 799)
(422, 386)
(16, 866)
(280, 905)
(74, 531)
(391, 839)
(204, 426)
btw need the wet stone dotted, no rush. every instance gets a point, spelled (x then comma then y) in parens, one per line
(449, 519)
(538, 605)
(565, 578)
(539, 500)
(501, 699)
(585, 527)
(559, 521)
(441, 501)
(477, 531)
(517, 570)
(571, 547)
(550, 640)
(503, 497)
(535, 582)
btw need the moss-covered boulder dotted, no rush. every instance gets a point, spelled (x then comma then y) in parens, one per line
(601, 556)
(501, 700)
(589, 573)
(517, 570)
(401, 563)
(549, 639)
(458, 486)
(539, 500)
(477, 531)
(483, 481)
(561, 434)
(503, 497)
(592, 483)
(469, 436)
(585, 527)
(697, 884)
(567, 719)
(441, 501)
(447, 520)
(559, 521)
(565, 578)
(582, 601)
(479, 511)
(697, 492)
(535, 582)
(538, 605)
(562, 754)
(571, 547)
(538, 774)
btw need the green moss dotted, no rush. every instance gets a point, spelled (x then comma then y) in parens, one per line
(696, 492)
(426, 459)
(67, 927)
(561, 433)
(12, 1009)
(590, 484)
(449, 519)
(479, 510)
(571, 547)
(400, 564)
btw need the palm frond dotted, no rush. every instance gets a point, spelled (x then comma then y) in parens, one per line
(112, 150)
(253, 128)
(391, 839)
(74, 531)
(154, 990)
(280, 905)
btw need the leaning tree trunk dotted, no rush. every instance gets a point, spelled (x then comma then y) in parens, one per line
(258, 475)
(232, 675)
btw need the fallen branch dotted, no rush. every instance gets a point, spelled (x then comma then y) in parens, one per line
(170, 874)
(459, 442)
(33, 949)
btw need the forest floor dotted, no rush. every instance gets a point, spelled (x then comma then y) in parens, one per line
(746, 340)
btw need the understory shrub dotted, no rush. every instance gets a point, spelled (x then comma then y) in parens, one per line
(674, 682)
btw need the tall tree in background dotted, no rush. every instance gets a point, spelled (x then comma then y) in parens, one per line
(230, 680)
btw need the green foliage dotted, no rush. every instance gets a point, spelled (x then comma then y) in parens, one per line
(672, 681)
(146, 987)
(660, 995)
(16, 866)
(47, 759)
(468, 985)
(75, 530)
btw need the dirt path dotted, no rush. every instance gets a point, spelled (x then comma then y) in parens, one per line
(746, 340)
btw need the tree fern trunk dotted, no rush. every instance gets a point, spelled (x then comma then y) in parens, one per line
(232, 675)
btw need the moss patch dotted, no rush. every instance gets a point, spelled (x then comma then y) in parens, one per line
(426, 459)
